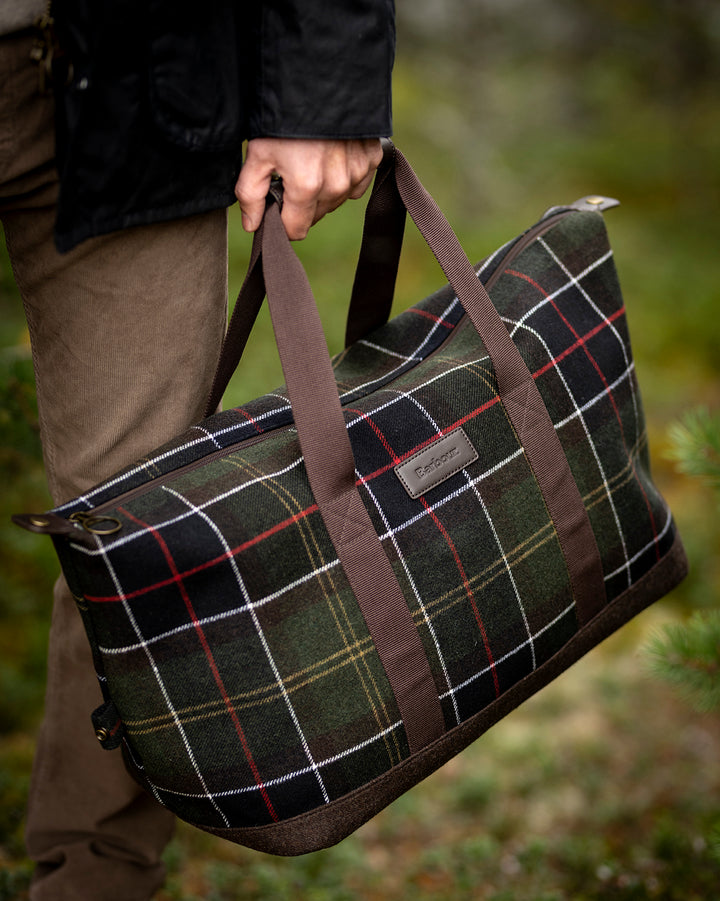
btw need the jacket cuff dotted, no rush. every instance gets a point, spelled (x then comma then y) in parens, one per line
(324, 70)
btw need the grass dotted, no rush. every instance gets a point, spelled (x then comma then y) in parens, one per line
(584, 793)
(605, 786)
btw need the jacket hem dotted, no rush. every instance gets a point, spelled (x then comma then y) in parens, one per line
(66, 241)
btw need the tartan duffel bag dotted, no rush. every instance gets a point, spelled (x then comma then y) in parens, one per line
(301, 607)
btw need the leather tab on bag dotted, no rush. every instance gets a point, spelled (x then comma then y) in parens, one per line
(108, 726)
(591, 203)
(594, 203)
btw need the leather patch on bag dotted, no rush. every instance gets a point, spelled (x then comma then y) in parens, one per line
(433, 465)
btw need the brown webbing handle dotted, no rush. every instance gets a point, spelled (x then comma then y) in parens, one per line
(247, 307)
(328, 455)
(330, 467)
(373, 288)
(377, 267)
(520, 397)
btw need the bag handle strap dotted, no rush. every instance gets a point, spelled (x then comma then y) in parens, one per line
(397, 185)
(520, 397)
(373, 289)
(330, 465)
(377, 267)
(330, 468)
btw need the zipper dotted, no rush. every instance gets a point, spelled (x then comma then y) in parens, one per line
(86, 517)
(524, 241)
(96, 522)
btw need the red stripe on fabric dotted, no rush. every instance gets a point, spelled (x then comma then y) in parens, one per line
(250, 419)
(278, 527)
(431, 316)
(579, 343)
(409, 453)
(443, 531)
(468, 591)
(596, 366)
(380, 436)
(211, 660)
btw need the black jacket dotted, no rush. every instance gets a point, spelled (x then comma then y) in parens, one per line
(160, 95)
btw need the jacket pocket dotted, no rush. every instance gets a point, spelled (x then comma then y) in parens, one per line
(197, 84)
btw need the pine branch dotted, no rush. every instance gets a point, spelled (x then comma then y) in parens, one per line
(688, 657)
(696, 446)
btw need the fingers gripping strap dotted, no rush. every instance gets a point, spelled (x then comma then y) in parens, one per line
(330, 467)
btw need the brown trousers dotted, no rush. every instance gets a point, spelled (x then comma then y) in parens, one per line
(125, 331)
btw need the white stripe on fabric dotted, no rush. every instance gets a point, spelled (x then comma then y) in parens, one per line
(118, 542)
(178, 725)
(87, 496)
(236, 611)
(569, 284)
(261, 635)
(421, 604)
(474, 484)
(651, 544)
(252, 605)
(287, 777)
(602, 395)
(467, 364)
(603, 318)
(512, 653)
(416, 354)
(588, 434)
(385, 350)
(153, 461)
(509, 572)
(210, 436)
(454, 494)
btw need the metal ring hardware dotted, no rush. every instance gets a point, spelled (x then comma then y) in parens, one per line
(92, 523)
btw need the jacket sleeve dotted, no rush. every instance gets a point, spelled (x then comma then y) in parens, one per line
(322, 69)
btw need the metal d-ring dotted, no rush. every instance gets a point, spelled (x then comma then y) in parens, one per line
(92, 523)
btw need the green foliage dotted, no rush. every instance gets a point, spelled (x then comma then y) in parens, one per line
(13, 797)
(688, 657)
(18, 411)
(695, 446)
(14, 883)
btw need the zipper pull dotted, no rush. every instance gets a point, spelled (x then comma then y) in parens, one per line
(96, 523)
(80, 526)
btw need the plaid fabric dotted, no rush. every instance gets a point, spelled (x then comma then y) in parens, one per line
(226, 635)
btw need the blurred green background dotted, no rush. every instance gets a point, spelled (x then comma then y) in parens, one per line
(606, 785)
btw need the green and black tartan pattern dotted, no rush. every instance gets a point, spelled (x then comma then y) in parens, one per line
(245, 678)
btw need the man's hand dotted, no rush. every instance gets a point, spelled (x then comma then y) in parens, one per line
(318, 176)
